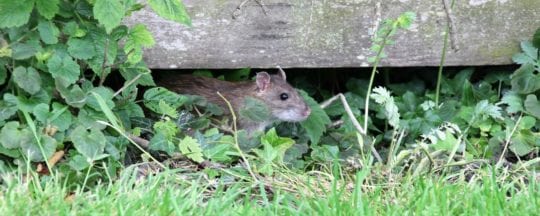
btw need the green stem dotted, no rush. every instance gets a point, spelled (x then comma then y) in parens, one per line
(443, 57)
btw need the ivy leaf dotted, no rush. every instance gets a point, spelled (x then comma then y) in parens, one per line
(254, 110)
(81, 48)
(532, 105)
(90, 144)
(109, 13)
(191, 149)
(28, 79)
(64, 67)
(48, 31)
(139, 37)
(172, 10)
(47, 8)
(315, 124)
(15, 13)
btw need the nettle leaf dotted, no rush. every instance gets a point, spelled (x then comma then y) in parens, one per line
(12, 137)
(81, 48)
(48, 32)
(139, 70)
(315, 124)
(15, 13)
(153, 96)
(279, 144)
(191, 149)
(254, 110)
(102, 43)
(513, 101)
(47, 8)
(90, 144)
(109, 13)
(532, 105)
(28, 79)
(524, 81)
(172, 10)
(139, 37)
(485, 109)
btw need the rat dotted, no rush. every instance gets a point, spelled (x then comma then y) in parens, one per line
(282, 101)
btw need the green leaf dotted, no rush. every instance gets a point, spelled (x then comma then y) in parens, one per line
(81, 48)
(532, 105)
(524, 81)
(64, 67)
(48, 32)
(153, 96)
(103, 43)
(15, 13)
(28, 79)
(11, 137)
(315, 124)
(8, 108)
(238, 75)
(90, 144)
(254, 110)
(109, 13)
(191, 149)
(47, 8)
(159, 142)
(172, 10)
(139, 37)
(513, 101)
(130, 72)
(60, 117)
(279, 144)
(3, 74)
(536, 39)
(33, 151)
(105, 93)
(78, 162)
(384, 98)
(23, 51)
(74, 96)
(523, 142)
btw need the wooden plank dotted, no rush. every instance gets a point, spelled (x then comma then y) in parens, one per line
(337, 33)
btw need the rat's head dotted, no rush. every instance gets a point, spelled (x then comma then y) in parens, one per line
(282, 99)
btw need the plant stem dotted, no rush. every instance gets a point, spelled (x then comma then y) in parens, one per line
(443, 55)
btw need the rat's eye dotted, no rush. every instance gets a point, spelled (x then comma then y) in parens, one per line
(284, 96)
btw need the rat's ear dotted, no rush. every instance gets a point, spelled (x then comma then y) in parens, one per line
(282, 73)
(263, 81)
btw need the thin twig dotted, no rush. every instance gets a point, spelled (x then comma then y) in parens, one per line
(355, 122)
(235, 135)
(127, 85)
(499, 163)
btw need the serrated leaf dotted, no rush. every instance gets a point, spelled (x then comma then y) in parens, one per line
(64, 67)
(140, 69)
(139, 37)
(529, 49)
(171, 9)
(153, 96)
(513, 101)
(28, 79)
(105, 93)
(14, 13)
(485, 109)
(254, 110)
(47, 8)
(524, 81)
(81, 48)
(191, 149)
(532, 105)
(167, 128)
(90, 144)
(48, 31)
(159, 142)
(109, 13)
(384, 98)
(279, 144)
(315, 124)
(523, 142)
(33, 151)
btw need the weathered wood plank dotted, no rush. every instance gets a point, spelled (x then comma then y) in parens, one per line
(337, 33)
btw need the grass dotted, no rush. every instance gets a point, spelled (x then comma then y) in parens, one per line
(169, 193)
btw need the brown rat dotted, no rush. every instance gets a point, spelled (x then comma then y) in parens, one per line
(283, 101)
